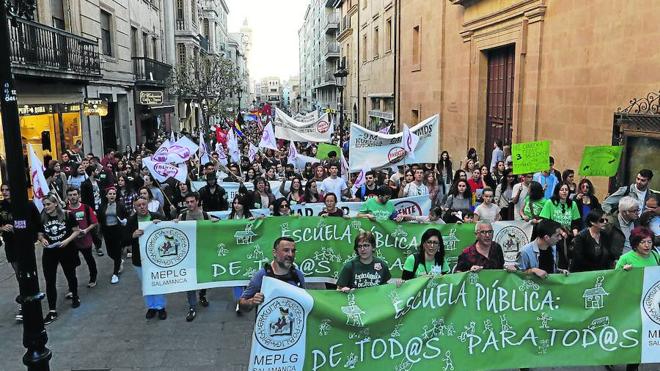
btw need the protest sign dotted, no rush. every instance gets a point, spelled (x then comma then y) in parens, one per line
(530, 157)
(229, 252)
(323, 150)
(374, 150)
(287, 128)
(600, 160)
(468, 321)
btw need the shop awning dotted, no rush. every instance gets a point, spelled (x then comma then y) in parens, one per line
(159, 110)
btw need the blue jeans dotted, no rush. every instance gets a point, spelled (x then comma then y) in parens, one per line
(152, 301)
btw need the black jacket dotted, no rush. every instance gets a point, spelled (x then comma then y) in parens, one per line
(132, 226)
(587, 258)
(87, 192)
(216, 201)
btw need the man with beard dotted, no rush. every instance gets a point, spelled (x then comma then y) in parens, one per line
(281, 268)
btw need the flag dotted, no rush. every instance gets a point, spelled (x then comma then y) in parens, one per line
(220, 135)
(410, 141)
(238, 128)
(222, 155)
(360, 180)
(252, 153)
(268, 138)
(162, 171)
(177, 152)
(293, 153)
(39, 185)
(385, 130)
(203, 152)
(232, 146)
(172, 136)
(259, 123)
(344, 168)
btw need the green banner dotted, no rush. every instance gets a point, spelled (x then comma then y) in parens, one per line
(600, 160)
(530, 157)
(467, 321)
(324, 149)
(192, 255)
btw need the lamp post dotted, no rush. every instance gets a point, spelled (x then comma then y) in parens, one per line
(240, 91)
(37, 356)
(340, 77)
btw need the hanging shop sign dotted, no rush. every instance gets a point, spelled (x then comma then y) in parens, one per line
(150, 98)
(95, 107)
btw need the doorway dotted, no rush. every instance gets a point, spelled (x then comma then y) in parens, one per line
(499, 101)
(108, 127)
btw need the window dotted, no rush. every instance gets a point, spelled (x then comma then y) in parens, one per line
(154, 47)
(106, 34)
(179, 10)
(375, 53)
(57, 11)
(388, 35)
(414, 119)
(364, 4)
(145, 41)
(416, 49)
(364, 48)
(134, 42)
(181, 48)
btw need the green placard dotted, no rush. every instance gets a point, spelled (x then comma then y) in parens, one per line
(600, 160)
(530, 157)
(323, 149)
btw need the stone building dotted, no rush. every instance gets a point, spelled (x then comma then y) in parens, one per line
(347, 37)
(524, 70)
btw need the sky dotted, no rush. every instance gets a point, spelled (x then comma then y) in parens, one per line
(275, 25)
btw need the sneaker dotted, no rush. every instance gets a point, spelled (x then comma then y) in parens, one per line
(121, 267)
(203, 302)
(69, 295)
(75, 302)
(191, 315)
(91, 284)
(162, 314)
(129, 255)
(99, 252)
(151, 313)
(19, 315)
(114, 279)
(50, 317)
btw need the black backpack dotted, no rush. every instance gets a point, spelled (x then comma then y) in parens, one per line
(291, 275)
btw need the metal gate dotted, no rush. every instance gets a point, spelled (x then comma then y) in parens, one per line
(499, 113)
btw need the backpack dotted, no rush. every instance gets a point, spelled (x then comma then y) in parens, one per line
(291, 276)
(185, 214)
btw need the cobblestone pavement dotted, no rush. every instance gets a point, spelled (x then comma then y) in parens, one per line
(109, 331)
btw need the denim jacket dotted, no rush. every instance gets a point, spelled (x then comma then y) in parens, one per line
(528, 257)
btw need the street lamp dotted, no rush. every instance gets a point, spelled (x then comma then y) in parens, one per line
(240, 91)
(37, 356)
(340, 77)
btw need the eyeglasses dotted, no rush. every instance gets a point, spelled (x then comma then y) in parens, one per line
(486, 232)
(364, 246)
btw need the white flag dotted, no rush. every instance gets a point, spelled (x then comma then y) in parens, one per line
(203, 152)
(344, 168)
(222, 156)
(268, 138)
(39, 185)
(410, 141)
(232, 146)
(252, 153)
(360, 180)
(172, 136)
(293, 153)
(177, 152)
(162, 171)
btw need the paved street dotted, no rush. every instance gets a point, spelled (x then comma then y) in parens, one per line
(109, 331)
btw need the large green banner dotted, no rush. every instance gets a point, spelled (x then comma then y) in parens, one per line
(466, 321)
(192, 255)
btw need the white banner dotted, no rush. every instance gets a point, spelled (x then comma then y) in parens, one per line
(279, 337)
(230, 187)
(315, 131)
(161, 171)
(371, 149)
(307, 117)
(649, 307)
(417, 205)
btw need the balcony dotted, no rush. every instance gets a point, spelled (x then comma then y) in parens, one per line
(330, 50)
(43, 51)
(327, 79)
(331, 23)
(344, 27)
(180, 25)
(149, 72)
(204, 43)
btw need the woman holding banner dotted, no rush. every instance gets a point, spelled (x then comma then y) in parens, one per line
(458, 203)
(312, 194)
(430, 259)
(295, 194)
(365, 270)
(331, 208)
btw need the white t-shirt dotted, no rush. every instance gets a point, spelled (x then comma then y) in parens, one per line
(521, 199)
(413, 189)
(335, 186)
(487, 213)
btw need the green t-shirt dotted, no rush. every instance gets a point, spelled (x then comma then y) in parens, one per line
(375, 208)
(537, 206)
(554, 212)
(357, 275)
(428, 267)
(632, 258)
(146, 218)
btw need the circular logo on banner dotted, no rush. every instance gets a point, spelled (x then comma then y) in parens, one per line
(512, 239)
(396, 154)
(322, 127)
(408, 208)
(279, 323)
(651, 303)
(167, 247)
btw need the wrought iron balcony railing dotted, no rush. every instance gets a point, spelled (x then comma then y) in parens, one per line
(40, 50)
(150, 72)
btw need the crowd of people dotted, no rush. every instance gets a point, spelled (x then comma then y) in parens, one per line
(100, 201)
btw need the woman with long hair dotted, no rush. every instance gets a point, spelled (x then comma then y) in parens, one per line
(504, 194)
(487, 178)
(262, 197)
(534, 203)
(112, 218)
(308, 172)
(562, 209)
(498, 172)
(429, 259)
(431, 182)
(295, 195)
(585, 198)
(408, 177)
(179, 198)
(568, 177)
(281, 207)
(59, 229)
(312, 194)
(445, 172)
(125, 193)
(153, 205)
(240, 207)
(459, 202)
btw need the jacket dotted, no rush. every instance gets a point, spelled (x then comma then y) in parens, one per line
(87, 192)
(132, 226)
(615, 236)
(216, 201)
(587, 258)
(611, 203)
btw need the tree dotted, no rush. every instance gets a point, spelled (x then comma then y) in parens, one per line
(210, 81)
